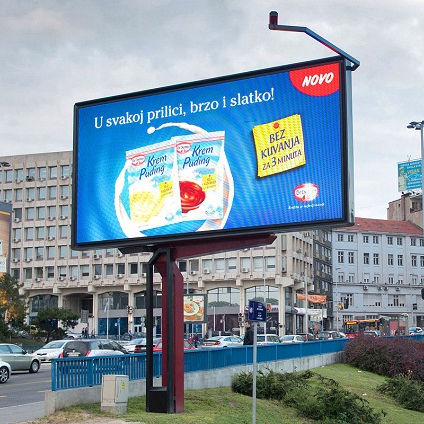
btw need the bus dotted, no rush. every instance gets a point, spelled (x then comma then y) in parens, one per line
(355, 327)
(385, 326)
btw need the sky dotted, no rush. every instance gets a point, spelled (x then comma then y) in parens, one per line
(57, 53)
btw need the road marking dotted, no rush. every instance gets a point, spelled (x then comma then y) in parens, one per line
(30, 382)
(3, 396)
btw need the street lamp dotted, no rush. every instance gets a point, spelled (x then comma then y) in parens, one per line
(419, 126)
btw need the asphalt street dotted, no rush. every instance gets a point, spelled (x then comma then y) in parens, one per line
(22, 397)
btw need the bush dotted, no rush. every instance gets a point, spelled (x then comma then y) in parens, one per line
(387, 356)
(409, 393)
(314, 396)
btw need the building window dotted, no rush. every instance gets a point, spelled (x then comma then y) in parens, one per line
(39, 233)
(63, 251)
(389, 259)
(182, 265)
(41, 193)
(245, 264)
(29, 214)
(41, 212)
(49, 272)
(29, 233)
(391, 279)
(64, 171)
(399, 241)
(61, 271)
(39, 253)
(84, 271)
(52, 192)
(64, 211)
(389, 240)
(51, 252)
(219, 265)
(42, 173)
(19, 175)
(8, 176)
(400, 260)
(365, 239)
(97, 270)
(194, 265)
(351, 257)
(133, 268)
(421, 242)
(18, 195)
(64, 191)
(339, 237)
(63, 231)
(350, 238)
(351, 278)
(206, 265)
(366, 258)
(400, 280)
(120, 269)
(231, 264)
(270, 262)
(414, 260)
(422, 261)
(52, 172)
(413, 241)
(28, 253)
(340, 257)
(414, 280)
(73, 271)
(376, 279)
(7, 195)
(224, 296)
(375, 239)
(375, 258)
(108, 270)
(51, 211)
(51, 232)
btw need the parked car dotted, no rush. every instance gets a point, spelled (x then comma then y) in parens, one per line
(139, 344)
(309, 337)
(372, 333)
(330, 335)
(223, 341)
(292, 338)
(70, 335)
(94, 347)
(51, 350)
(5, 371)
(158, 346)
(18, 358)
(415, 331)
(263, 339)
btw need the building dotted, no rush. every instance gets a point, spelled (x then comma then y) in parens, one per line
(407, 208)
(378, 269)
(102, 284)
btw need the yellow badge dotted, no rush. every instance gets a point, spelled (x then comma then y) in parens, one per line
(209, 182)
(279, 145)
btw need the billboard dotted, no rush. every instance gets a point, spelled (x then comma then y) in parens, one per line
(262, 151)
(409, 175)
(195, 308)
(5, 231)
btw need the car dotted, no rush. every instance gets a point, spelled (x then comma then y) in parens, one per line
(292, 338)
(309, 337)
(138, 344)
(5, 371)
(264, 339)
(222, 341)
(372, 333)
(93, 347)
(51, 350)
(158, 346)
(415, 331)
(70, 335)
(18, 358)
(330, 335)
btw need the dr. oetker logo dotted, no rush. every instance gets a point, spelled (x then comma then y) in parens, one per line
(183, 148)
(306, 192)
(138, 160)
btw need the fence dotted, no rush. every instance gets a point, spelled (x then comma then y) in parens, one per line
(69, 373)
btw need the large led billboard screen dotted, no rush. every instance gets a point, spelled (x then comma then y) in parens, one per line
(262, 151)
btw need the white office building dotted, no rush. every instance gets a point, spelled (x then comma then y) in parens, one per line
(378, 268)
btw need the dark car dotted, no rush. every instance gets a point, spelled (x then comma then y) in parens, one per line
(96, 347)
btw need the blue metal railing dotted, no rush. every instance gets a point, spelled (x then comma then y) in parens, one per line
(68, 373)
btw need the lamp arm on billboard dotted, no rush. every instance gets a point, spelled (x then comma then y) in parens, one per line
(273, 25)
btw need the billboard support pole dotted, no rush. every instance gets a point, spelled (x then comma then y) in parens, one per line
(273, 25)
(169, 397)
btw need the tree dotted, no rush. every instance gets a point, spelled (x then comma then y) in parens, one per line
(12, 304)
(47, 321)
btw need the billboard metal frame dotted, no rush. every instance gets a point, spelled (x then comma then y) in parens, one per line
(151, 243)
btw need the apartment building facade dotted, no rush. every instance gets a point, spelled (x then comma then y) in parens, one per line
(102, 284)
(378, 269)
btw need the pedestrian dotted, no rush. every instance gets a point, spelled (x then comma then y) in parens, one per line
(93, 334)
(195, 340)
(130, 335)
(83, 333)
(248, 334)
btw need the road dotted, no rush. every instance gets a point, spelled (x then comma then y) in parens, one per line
(22, 397)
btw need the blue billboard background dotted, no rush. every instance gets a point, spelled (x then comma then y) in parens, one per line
(107, 130)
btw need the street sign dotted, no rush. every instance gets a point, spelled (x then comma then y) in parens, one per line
(257, 311)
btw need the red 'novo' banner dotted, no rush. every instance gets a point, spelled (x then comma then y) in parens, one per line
(317, 81)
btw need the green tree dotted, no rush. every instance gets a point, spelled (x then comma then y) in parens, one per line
(12, 304)
(48, 319)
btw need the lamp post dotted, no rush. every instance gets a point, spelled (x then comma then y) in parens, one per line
(419, 126)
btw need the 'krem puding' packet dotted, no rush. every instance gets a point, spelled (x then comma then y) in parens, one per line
(152, 177)
(201, 173)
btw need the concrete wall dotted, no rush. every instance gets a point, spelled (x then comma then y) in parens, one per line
(192, 381)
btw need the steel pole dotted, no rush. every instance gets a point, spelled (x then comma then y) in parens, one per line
(255, 369)
(422, 169)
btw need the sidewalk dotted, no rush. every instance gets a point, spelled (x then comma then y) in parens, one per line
(21, 413)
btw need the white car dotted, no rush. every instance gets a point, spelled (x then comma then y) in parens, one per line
(51, 350)
(292, 338)
(223, 341)
(264, 339)
(5, 371)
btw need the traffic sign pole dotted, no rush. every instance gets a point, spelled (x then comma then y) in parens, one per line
(255, 369)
